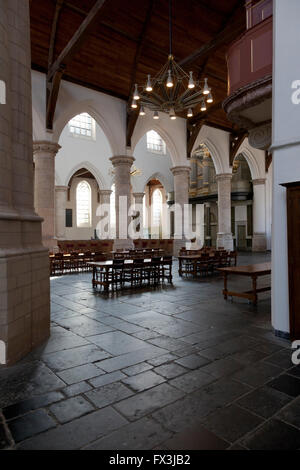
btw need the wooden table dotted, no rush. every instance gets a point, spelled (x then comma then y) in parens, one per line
(253, 271)
(104, 268)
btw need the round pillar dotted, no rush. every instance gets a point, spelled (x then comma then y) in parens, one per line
(44, 183)
(224, 238)
(259, 240)
(122, 166)
(139, 207)
(105, 230)
(181, 192)
(61, 197)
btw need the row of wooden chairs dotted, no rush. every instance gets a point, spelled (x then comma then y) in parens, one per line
(137, 254)
(63, 263)
(205, 263)
(139, 273)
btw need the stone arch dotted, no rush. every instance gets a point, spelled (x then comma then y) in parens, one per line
(58, 181)
(85, 107)
(160, 177)
(257, 168)
(175, 157)
(88, 166)
(214, 152)
(252, 164)
(38, 129)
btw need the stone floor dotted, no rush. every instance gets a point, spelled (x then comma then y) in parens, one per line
(174, 368)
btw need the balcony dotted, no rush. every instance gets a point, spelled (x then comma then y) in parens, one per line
(249, 61)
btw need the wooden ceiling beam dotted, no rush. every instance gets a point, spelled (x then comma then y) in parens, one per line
(78, 38)
(132, 117)
(58, 7)
(52, 96)
(232, 29)
(56, 69)
(204, 115)
(140, 44)
(268, 160)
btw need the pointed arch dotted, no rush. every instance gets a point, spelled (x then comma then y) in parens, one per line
(163, 180)
(171, 147)
(85, 107)
(95, 172)
(215, 155)
(257, 167)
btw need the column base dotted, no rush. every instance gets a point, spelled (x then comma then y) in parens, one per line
(25, 303)
(259, 242)
(126, 244)
(225, 240)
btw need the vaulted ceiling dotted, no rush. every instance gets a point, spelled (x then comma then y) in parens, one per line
(109, 45)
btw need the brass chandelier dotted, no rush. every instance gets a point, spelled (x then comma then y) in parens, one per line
(172, 90)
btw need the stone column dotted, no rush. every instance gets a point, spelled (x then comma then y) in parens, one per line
(24, 262)
(139, 207)
(105, 200)
(181, 192)
(206, 166)
(122, 166)
(259, 240)
(194, 175)
(224, 238)
(44, 183)
(207, 222)
(61, 197)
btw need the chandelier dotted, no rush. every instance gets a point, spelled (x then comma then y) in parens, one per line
(172, 90)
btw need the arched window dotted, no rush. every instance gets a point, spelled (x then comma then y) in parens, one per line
(155, 143)
(84, 126)
(83, 204)
(113, 211)
(157, 202)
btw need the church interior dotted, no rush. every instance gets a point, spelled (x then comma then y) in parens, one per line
(149, 225)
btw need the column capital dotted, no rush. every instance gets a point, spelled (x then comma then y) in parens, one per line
(224, 177)
(105, 192)
(118, 160)
(137, 195)
(61, 188)
(181, 170)
(258, 181)
(46, 146)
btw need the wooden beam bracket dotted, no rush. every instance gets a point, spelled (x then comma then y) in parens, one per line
(236, 140)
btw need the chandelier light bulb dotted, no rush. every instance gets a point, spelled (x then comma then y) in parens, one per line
(203, 106)
(133, 104)
(209, 98)
(142, 111)
(172, 114)
(155, 115)
(190, 112)
(136, 95)
(206, 88)
(149, 86)
(169, 81)
(191, 81)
